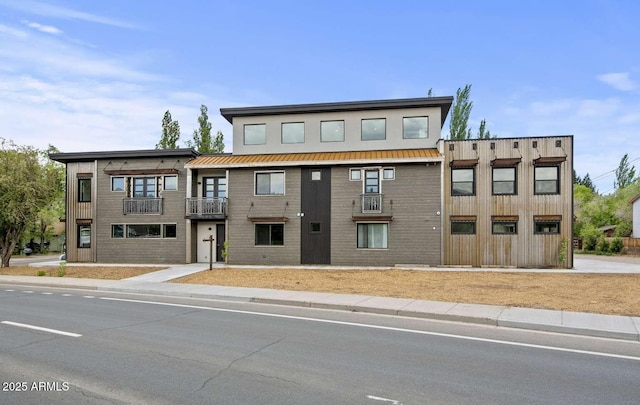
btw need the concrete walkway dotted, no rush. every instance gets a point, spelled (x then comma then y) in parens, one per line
(610, 326)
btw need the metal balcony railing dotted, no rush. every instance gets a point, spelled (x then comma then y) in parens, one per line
(206, 207)
(142, 206)
(371, 203)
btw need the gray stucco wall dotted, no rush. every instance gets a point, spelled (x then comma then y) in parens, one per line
(414, 232)
(241, 231)
(109, 211)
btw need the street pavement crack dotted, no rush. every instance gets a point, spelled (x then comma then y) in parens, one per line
(166, 318)
(178, 357)
(237, 360)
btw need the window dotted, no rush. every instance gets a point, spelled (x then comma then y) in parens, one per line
(293, 132)
(504, 180)
(373, 236)
(84, 190)
(169, 230)
(143, 231)
(388, 173)
(546, 227)
(355, 174)
(214, 187)
(314, 227)
(84, 236)
(372, 181)
(463, 227)
(144, 187)
(332, 131)
(504, 227)
(374, 129)
(117, 184)
(170, 183)
(316, 175)
(271, 183)
(415, 127)
(255, 134)
(547, 180)
(117, 231)
(463, 181)
(269, 234)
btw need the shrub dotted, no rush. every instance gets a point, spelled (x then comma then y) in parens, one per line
(42, 273)
(589, 234)
(62, 269)
(603, 246)
(616, 245)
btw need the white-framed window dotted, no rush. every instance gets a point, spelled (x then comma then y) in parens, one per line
(332, 131)
(373, 235)
(269, 183)
(415, 127)
(293, 132)
(117, 183)
(355, 174)
(374, 129)
(170, 183)
(255, 134)
(269, 234)
(145, 187)
(388, 173)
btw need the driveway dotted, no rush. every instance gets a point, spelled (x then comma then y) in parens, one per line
(606, 264)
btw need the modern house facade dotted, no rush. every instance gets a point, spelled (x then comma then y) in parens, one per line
(349, 183)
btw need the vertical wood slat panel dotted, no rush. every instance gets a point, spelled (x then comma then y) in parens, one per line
(79, 210)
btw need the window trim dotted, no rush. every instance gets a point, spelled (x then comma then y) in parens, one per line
(358, 224)
(156, 191)
(473, 182)
(270, 225)
(255, 183)
(354, 170)
(373, 119)
(535, 180)
(244, 134)
(364, 179)
(82, 198)
(393, 172)
(282, 125)
(417, 116)
(515, 180)
(343, 130)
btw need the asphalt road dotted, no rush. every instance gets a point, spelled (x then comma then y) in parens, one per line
(115, 348)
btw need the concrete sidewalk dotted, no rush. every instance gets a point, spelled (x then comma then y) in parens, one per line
(610, 326)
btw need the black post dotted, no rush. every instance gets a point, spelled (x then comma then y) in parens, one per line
(210, 240)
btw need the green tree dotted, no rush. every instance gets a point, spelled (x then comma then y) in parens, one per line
(202, 140)
(625, 173)
(458, 125)
(28, 184)
(170, 133)
(586, 181)
(483, 132)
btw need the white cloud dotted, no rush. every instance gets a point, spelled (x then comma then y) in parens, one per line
(619, 81)
(42, 28)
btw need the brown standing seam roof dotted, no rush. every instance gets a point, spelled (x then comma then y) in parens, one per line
(302, 158)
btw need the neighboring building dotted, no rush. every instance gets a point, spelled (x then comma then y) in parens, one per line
(349, 183)
(126, 206)
(635, 204)
(508, 202)
(354, 183)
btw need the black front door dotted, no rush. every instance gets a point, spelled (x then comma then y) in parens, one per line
(220, 238)
(315, 234)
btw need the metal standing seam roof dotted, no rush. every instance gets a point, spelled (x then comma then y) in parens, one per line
(317, 158)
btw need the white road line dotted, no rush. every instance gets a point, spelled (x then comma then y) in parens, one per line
(46, 293)
(27, 292)
(66, 295)
(9, 290)
(389, 328)
(393, 401)
(58, 332)
(88, 296)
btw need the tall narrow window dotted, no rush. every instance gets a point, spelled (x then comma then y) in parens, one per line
(373, 236)
(372, 181)
(463, 181)
(84, 190)
(547, 179)
(84, 236)
(374, 129)
(504, 180)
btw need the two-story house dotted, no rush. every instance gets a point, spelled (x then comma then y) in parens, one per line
(350, 183)
(126, 206)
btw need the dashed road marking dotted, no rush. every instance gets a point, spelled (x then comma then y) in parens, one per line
(391, 401)
(39, 328)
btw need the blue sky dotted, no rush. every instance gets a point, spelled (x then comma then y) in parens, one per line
(99, 75)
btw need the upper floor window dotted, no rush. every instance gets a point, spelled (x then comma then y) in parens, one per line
(546, 227)
(332, 131)
(463, 181)
(547, 179)
(269, 183)
(504, 227)
(372, 181)
(117, 184)
(84, 190)
(374, 129)
(255, 134)
(355, 174)
(170, 183)
(504, 180)
(144, 187)
(415, 127)
(293, 132)
(463, 227)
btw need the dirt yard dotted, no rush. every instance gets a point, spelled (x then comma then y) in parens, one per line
(617, 294)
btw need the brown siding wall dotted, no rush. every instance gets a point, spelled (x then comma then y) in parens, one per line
(414, 232)
(79, 211)
(525, 249)
(241, 231)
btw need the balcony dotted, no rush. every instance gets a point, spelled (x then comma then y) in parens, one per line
(372, 207)
(142, 206)
(206, 208)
